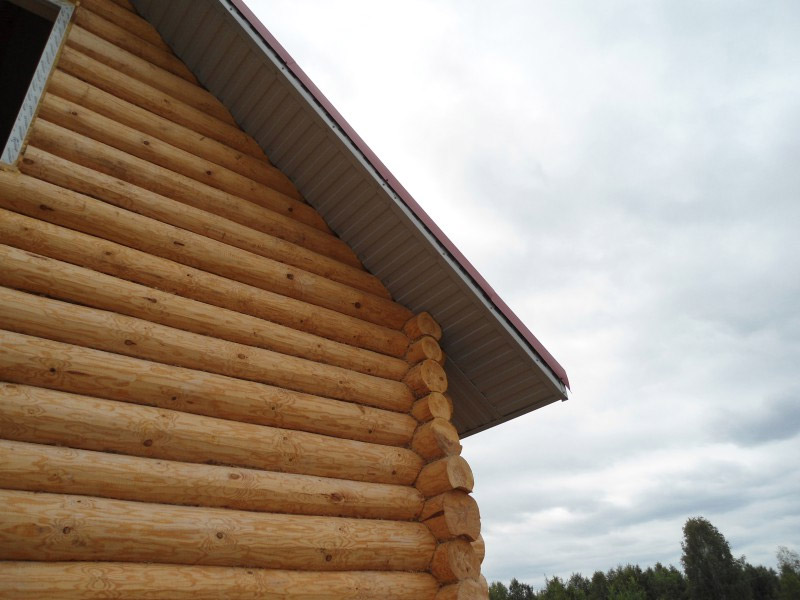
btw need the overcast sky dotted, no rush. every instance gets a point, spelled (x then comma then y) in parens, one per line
(626, 174)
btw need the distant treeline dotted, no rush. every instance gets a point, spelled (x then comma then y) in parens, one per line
(710, 572)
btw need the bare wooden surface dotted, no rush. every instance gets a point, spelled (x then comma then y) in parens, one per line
(422, 324)
(436, 439)
(54, 527)
(120, 261)
(126, 19)
(426, 377)
(433, 405)
(451, 473)
(454, 561)
(452, 514)
(41, 416)
(136, 581)
(468, 589)
(424, 348)
(40, 468)
(39, 362)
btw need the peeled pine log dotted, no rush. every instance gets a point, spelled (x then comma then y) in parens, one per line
(66, 86)
(426, 377)
(132, 581)
(80, 119)
(96, 73)
(39, 468)
(125, 4)
(39, 199)
(41, 416)
(425, 348)
(480, 548)
(26, 271)
(53, 527)
(156, 152)
(453, 561)
(420, 325)
(126, 19)
(432, 406)
(34, 361)
(120, 261)
(468, 589)
(436, 439)
(102, 330)
(452, 514)
(127, 41)
(63, 173)
(451, 473)
(105, 159)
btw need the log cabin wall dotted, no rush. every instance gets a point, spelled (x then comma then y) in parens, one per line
(203, 394)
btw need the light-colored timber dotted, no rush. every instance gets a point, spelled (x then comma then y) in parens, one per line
(135, 581)
(484, 587)
(425, 348)
(130, 336)
(40, 468)
(149, 148)
(451, 473)
(55, 527)
(105, 159)
(125, 4)
(27, 271)
(96, 73)
(436, 439)
(455, 560)
(123, 38)
(94, 125)
(432, 406)
(58, 171)
(34, 361)
(120, 261)
(422, 324)
(452, 514)
(39, 199)
(480, 548)
(41, 416)
(127, 20)
(468, 589)
(426, 377)
(66, 86)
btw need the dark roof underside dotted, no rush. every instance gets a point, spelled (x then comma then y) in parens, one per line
(496, 368)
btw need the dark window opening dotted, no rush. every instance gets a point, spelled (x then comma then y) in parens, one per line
(25, 27)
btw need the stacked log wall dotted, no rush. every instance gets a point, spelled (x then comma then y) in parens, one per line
(202, 392)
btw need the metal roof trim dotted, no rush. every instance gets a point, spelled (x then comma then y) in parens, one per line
(457, 259)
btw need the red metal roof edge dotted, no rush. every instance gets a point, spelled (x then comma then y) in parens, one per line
(398, 188)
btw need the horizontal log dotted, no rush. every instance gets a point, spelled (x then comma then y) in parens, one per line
(123, 38)
(463, 590)
(128, 88)
(39, 468)
(452, 514)
(134, 581)
(455, 560)
(125, 4)
(149, 148)
(484, 587)
(480, 548)
(436, 439)
(127, 20)
(420, 325)
(41, 416)
(53, 527)
(432, 406)
(130, 336)
(153, 151)
(426, 377)
(105, 159)
(39, 199)
(35, 361)
(120, 261)
(425, 348)
(451, 473)
(71, 88)
(61, 172)
(31, 272)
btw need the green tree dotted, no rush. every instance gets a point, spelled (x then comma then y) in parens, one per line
(789, 566)
(519, 591)
(711, 571)
(598, 589)
(664, 583)
(497, 591)
(554, 590)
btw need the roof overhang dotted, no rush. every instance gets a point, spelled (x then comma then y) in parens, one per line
(496, 367)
